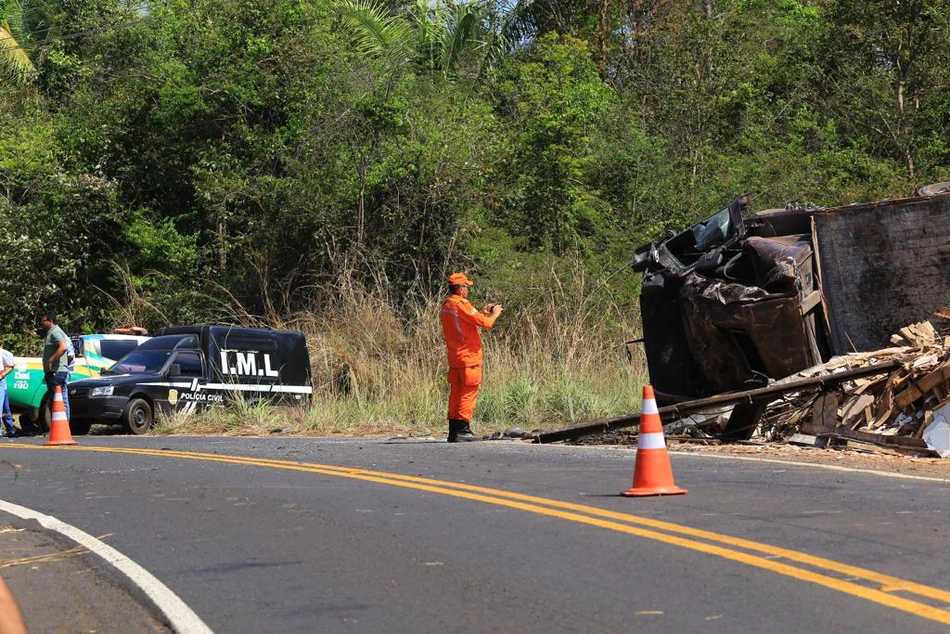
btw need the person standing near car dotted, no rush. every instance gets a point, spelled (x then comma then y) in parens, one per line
(460, 325)
(6, 367)
(55, 364)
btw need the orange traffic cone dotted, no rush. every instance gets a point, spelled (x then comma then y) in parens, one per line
(652, 474)
(59, 433)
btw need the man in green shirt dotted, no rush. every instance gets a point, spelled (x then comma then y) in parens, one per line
(55, 363)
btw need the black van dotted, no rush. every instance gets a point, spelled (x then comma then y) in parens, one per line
(187, 368)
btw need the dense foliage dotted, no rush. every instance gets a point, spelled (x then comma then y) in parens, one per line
(194, 160)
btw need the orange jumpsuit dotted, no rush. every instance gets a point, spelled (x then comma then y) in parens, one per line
(460, 324)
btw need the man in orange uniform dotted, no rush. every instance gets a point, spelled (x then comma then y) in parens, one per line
(460, 324)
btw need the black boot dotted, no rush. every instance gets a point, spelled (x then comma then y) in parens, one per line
(459, 431)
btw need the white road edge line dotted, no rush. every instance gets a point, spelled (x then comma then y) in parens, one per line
(179, 615)
(831, 467)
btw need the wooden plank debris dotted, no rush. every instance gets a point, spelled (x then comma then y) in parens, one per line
(807, 440)
(853, 411)
(898, 442)
(893, 410)
(824, 414)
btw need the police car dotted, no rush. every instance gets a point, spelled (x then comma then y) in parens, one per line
(93, 354)
(190, 368)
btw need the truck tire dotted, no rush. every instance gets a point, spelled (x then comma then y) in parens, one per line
(137, 418)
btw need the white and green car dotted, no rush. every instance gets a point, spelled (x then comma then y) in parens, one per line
(94, 353)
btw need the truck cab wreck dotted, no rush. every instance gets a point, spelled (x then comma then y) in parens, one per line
(191, 368)
(728, 304)
(736, 301)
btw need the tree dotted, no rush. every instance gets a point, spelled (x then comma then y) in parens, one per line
(552, 99)
(887, 73)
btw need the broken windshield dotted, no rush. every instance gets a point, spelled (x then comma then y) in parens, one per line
(699, 247)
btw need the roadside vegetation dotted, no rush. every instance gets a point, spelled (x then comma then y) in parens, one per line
(561, 360)
(323, 164)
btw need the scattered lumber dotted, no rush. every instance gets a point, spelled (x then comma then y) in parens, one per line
(891, 410)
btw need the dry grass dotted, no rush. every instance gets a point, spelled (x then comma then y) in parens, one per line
(553, 359)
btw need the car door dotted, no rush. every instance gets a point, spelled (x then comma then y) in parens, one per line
(189, 391)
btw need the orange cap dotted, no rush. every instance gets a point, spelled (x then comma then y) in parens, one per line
(458, 279)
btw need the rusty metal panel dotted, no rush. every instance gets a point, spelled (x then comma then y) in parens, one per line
(740, 335)
(882, 266)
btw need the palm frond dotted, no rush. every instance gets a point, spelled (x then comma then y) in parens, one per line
(458, 35)
(376, 30)
(13, 16)
(515, 26)
(15, 64)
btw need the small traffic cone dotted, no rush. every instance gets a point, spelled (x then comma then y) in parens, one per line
(59, 433)
(653, 474)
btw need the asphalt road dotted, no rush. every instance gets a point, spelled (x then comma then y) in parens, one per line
(306, 535)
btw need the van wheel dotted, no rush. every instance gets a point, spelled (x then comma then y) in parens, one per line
(138, 416)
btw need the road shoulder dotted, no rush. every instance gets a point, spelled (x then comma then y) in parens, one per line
(60, 587)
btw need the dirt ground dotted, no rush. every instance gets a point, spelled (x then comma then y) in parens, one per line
(853, 456)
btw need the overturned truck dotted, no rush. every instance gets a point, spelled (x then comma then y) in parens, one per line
(737, 300)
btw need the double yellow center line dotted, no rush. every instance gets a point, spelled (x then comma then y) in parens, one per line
(877, 588)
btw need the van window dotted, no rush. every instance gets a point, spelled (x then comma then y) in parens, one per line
(170, 342)
(117, 349)
(190, 364)
(249, 344)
